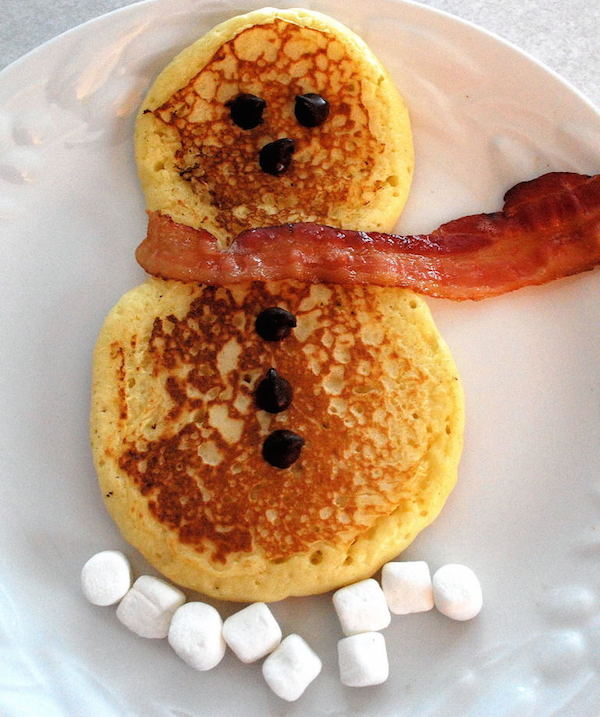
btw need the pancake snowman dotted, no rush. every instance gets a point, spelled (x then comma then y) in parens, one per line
(273, 117)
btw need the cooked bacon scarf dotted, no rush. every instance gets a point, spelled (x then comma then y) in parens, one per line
(548, 228)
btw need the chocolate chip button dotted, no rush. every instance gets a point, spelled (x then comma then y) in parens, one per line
(276, 157)
(274, 324)
(274, 393)
(246, 110)
(282, 448)
(311, 109)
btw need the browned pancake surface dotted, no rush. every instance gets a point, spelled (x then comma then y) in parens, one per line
(178, 437)
(241, 499)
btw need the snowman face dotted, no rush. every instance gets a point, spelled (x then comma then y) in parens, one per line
(331, 168)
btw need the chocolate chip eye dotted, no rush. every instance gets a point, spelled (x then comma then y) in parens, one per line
(276, 157)
(274, 323)
(311, 109)
(273, 393)
(282, 448)
(246, 110)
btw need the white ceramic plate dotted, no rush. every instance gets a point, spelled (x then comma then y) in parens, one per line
(526, 512)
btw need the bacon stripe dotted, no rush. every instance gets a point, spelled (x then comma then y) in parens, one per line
(548, 228)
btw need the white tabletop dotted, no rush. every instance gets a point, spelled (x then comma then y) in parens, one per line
(562, 34)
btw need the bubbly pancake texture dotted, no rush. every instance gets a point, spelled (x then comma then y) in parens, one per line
(198, 167)
(177, 436)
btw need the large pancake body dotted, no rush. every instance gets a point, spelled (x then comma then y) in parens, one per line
(353, 171)
(177, 436)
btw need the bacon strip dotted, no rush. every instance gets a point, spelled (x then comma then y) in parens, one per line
(548, 228)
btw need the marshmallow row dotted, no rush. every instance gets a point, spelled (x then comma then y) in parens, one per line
(406, 587)
(152, 608)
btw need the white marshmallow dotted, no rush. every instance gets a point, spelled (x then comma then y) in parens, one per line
(195, 635)
(363, 660)
(106, 577)
(252, 632)
(457, 592)
(407, 587)
(291, 668)
(148, 607)
(361, 607)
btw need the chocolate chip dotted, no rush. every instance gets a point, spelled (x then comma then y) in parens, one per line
(311, 109)
(276, 157)
(273, 393)
(282, 448)
(274, 323)
(246, 110)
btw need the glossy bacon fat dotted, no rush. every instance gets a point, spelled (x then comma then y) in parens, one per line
(548, 228)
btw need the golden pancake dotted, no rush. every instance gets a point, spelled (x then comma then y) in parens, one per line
(197, 166)
(177, 436)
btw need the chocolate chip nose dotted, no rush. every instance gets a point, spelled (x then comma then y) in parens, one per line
(276, 157)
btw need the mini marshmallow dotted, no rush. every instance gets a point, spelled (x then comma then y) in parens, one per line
(106, 577)
(252, 632)
(407, 587)
(148, 607)
(291, 668)
(457, 592)
(195, 635)
(361, 607)
(363, 660)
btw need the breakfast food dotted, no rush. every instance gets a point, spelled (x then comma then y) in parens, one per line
(178, 439)
(548, 228)
(275, 116)
(256, 438)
